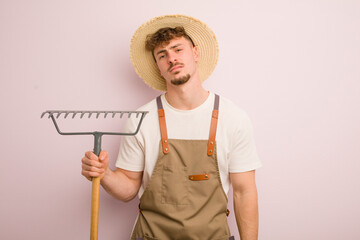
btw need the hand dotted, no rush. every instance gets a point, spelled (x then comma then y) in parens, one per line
(94, 166)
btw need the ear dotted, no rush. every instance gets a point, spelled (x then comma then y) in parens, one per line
(196, 54)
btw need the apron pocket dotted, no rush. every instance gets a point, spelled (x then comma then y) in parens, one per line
(174, 189)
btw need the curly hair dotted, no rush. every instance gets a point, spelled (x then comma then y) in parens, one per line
(164, 35)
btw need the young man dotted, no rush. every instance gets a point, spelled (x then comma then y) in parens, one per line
(191, 145)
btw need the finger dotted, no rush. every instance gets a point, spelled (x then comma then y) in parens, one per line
(85, 174)
(89, 168)
(90, 175)
(91, 155)
(92, 169)
(90, 162)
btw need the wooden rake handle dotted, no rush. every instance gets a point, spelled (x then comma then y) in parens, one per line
(95, 195)
(95, 208)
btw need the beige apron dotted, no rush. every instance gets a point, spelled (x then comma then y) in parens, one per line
(184, 198)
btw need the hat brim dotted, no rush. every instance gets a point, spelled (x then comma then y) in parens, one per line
(202, 36)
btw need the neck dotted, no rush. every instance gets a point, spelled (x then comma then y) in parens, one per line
(186, 97)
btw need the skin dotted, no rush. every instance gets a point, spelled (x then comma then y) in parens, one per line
(245, 204)
(177, 62)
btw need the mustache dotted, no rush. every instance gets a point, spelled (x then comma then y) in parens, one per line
(175, 64)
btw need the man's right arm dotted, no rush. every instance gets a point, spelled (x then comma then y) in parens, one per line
(121, 184)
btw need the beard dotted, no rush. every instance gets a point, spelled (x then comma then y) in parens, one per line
(181, 80)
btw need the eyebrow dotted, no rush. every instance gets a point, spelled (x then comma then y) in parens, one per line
(172, 47)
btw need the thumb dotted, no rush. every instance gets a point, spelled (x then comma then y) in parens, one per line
(103, 155)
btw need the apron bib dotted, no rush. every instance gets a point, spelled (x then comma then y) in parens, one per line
(184, 198)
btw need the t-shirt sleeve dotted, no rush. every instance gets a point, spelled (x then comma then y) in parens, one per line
(243, 155)
(131, 151)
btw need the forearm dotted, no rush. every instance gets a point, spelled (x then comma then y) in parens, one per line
(119, 185)
(246, 213)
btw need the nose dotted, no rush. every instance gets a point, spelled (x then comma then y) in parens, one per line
(171, 58)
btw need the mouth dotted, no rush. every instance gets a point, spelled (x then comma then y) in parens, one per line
(176, 67)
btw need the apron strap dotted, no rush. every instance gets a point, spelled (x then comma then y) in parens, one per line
(162, 122)
(213, 126)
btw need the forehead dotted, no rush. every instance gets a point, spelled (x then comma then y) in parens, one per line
(172, 42)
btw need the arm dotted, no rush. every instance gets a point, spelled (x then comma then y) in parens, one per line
(120, 183)
(245, 204)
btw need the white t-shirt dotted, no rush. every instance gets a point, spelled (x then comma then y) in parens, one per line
(235, 145)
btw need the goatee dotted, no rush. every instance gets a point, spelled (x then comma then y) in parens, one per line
(180, 80)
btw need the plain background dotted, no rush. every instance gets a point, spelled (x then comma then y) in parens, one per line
(294, 66)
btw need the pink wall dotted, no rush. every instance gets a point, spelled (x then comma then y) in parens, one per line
(294, 66)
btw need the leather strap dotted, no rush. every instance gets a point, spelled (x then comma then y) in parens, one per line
(199, 177)
(163, 129)
(213, 126)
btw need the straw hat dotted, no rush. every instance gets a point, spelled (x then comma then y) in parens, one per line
(202, 36)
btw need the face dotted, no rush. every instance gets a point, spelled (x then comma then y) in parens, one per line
(177, 61)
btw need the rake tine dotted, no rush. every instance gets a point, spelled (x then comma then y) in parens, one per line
(98, 114)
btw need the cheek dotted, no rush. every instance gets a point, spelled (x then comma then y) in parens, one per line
(162, 68)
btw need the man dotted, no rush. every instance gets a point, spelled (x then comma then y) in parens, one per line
(206, 142)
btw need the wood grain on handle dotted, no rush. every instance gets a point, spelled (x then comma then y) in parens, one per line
(95, 208)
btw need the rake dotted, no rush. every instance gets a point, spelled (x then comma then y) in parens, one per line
(97, 148)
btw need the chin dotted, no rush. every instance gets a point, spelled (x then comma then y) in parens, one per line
(180, 80)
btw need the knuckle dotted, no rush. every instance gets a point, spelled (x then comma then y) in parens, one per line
(90, 155)
(83, 167)
(93, 174)
(93, 163)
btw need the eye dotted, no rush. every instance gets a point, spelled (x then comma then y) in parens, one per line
(178, 50)
(161, 56)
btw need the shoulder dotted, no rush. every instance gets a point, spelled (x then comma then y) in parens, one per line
(229, 112)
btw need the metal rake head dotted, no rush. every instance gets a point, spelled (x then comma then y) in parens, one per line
(55, 114)
(58, 113)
